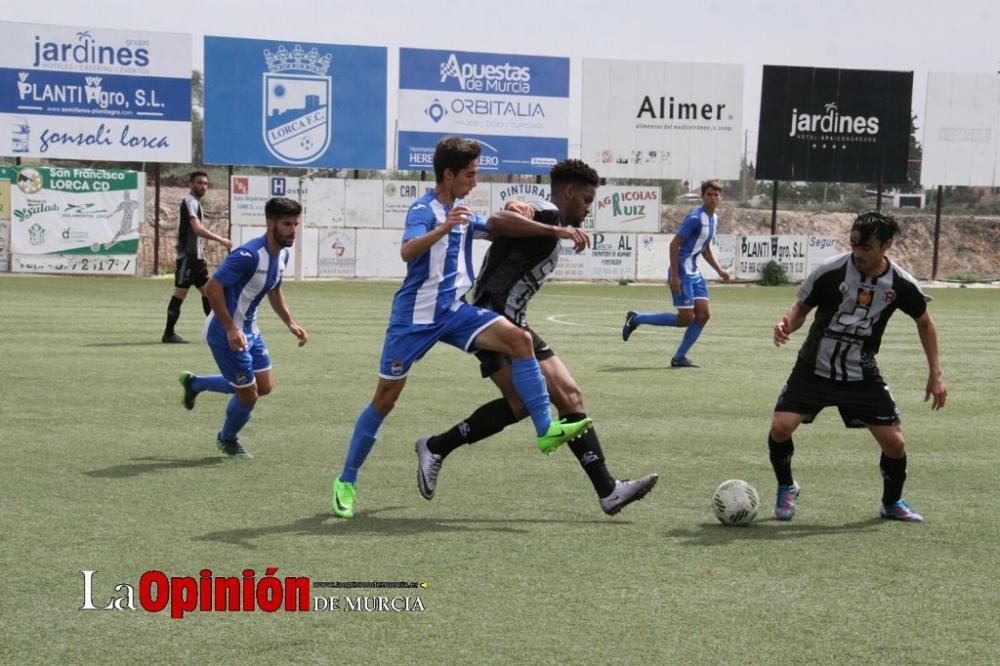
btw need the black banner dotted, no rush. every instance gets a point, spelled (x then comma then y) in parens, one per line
(834, 125)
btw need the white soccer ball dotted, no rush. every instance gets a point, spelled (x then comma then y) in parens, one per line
(735, 502)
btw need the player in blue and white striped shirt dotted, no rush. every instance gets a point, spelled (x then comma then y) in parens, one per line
(235, 291)
(430, 307)
(687, 284)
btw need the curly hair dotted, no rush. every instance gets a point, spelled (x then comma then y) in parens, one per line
(574, 171)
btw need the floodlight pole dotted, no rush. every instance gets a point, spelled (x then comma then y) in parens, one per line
(156, 218)
(229, 186)
(937, 233)
(774, 209)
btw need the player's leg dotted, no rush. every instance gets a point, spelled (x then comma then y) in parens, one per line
(695, 320)
(503, 336)
(199, 279)
(402, 347)
(614, 495)
(363, 438)
(780, 450)
(682, 301)
(893, 467)
(193, 384)
(237, 368)
(487, 420)
(182, 282)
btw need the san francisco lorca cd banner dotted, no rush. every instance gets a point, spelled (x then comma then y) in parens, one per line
(75, 219)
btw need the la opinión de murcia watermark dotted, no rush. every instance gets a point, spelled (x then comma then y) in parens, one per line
(156, 592)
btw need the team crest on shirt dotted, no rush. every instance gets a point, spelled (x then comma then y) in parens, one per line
(865, 297)
(889, 296)
(298, 118)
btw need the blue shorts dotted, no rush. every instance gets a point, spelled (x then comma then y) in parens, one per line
(693, 288)
(239, 367)
(406, 344)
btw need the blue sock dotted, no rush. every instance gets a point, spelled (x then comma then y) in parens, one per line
(530, 385)
(656, 319)
(237, 415)
(690, 337)
(362, 441)
(213, 383)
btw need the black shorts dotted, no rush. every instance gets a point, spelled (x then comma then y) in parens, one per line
(860, 404)
(191, 272)
(491, 362)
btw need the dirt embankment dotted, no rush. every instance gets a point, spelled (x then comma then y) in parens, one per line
(969, 245)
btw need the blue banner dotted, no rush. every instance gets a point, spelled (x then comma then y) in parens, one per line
(272, 103)
(515, 106)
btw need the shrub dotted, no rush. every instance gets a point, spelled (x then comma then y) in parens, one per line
(773, 274)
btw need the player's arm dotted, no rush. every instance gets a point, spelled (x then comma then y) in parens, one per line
(416, 246)
(791, 322)
(513, 225)
(202, 231)
(710, 258)
(216, 294)
(929, 339)
(675, 263)
(276, 298)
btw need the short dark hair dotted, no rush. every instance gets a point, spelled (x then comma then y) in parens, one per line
(873, 223)
(195, 174)
(574, 171)
(455, 153)
(713, 184)
(281, 207)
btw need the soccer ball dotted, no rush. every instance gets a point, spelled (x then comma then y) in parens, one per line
(735, 502)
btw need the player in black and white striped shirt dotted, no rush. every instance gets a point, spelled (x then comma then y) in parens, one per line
(854, 294)
(513, 271)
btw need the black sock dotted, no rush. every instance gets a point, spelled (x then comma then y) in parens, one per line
(487, 420)
(205, 306)
(173, 314)
(587, 449)
(893, 478)
(781, 460)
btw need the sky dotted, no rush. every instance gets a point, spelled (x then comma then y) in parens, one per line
(915, 35)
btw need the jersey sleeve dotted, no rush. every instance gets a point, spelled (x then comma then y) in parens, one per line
(911, 299)
(690, 227)
(419, 220)
(478, 227)
(284, 256)
(238, 264)
(193, 209)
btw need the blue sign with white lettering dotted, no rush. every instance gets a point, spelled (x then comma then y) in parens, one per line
(94, 94)
(294, 103)
(515, 106)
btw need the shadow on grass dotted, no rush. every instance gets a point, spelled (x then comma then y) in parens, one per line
(713, 534)
(369, 523)
(619, 368)
(154, 464)
(128, 343)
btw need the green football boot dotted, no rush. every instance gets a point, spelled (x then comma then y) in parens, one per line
(561, 432)
(189, 393)
(343, 498)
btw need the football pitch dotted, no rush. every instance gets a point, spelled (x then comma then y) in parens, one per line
(104, 471)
